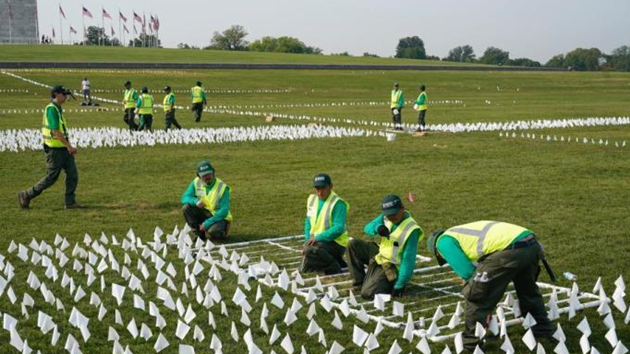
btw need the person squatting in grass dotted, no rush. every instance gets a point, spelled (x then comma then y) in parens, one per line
(325, 233)
(199, 100)
(390, 263)
(397, 104)
(169, 109)
(58, 150)
(488, 255)
(144, 110)
(130, 97)
(206, 204)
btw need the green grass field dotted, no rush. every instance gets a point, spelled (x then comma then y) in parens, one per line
(574, 196)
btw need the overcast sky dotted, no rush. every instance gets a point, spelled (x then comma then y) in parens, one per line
(537, 29)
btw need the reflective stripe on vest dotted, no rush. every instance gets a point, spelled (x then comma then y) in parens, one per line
(47, 136)
(128, 98)
(323, 221)
(396, 98)
(423, 107)
(484, 237)
(167, 106)
(388, 251)
(146, 107)
(211, 199)
(197, 96)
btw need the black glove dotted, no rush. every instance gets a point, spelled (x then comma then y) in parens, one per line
(383, 231)
(398, 292)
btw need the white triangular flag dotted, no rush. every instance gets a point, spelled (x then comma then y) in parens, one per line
(559, 334)
(395, 348)
(359, 336)
(275, 334)
(313, 328)
(611, 337)
(584, 344)
(336, 348)
(287, 345)
(423, 346)
(337, 322)
(160, 344)
(529, 339)
(507, 345)
(584, 327)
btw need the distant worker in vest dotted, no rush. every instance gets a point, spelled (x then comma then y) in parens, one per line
(169, 109)
(58, 150)
(130, 97)
(199, 100)
(390, 263)
(488, 255)
(325, 232)
(85, 88)
(207, 204)
(421, 107)
(144, 110)
(397, 104)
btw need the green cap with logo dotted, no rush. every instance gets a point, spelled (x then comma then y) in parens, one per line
(204, 167)
(321, 180)
(391, 204)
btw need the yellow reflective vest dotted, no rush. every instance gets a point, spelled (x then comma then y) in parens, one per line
(47, 136)
(165, 104)
(480, 238)
(323, 221)
(396, 98)
(423, 107)
(128, 100)
(197, 94)
(146, 105)
(390, 249)
(211, 199)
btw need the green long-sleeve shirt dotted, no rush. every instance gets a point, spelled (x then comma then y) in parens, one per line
(409, 252)
(338, 223)
(52, 116)
(422, 99)
(189, 197)
(452, 252)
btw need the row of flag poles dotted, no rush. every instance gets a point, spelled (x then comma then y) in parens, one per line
(153, 26)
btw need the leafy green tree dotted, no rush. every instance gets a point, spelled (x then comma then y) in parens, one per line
(232, 38)
(583, 59)
(282, 45)
(495, 56)
(461, 54)
(557, 61)
(97, 36)
(370, 55)
(524, 62)
(146, 40)
(265, 44)
(619, 59)
(411, 47)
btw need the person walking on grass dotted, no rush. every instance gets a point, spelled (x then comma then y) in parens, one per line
(325, 233)
(421, 107)
(199, 100)
(144, 109)
(391, 263)
(396, 105)
(58, 150)
(85, 88)
(130, 97)
(169, 109)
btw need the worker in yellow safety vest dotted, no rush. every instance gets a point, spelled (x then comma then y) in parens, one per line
(169, 109)
(199, 100)
(396, 106)
(130, 97)
(421, 106)
(144, 110)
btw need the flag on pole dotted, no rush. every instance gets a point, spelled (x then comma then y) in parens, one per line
(72, 30)
(125, 28)
(136, 17)
(135, 31)
(113, 33)
(87, 12)
(10, 11)
(122, 17)
(61, 12)
(106, 15)
(156, 24)
(53, 32)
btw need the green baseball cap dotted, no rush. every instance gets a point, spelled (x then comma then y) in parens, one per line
(204, 167)
(391, 204)
(432, 245)
(321, 180)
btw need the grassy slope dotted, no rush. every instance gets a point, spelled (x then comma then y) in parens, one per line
(26, 53)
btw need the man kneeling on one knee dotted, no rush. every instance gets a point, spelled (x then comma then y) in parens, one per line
(325, 233)
(392, 262)
(207, 204)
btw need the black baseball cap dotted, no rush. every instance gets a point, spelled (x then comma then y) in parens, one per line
(127, 83)
(321, 180)
(167, 88)
(391, 204)
(59, 89)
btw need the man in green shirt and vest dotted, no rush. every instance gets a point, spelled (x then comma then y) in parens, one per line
(392, 262)
(421, 107)
(207, 204)
(169, 109)
(59, 152)
(397, 104)
(130, 97)
(144, 109)
(199, 100)
(488, 255)
(325, 233)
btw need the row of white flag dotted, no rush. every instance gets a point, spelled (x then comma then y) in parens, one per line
(562, 139)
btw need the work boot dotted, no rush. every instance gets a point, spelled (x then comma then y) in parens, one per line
(24, 200)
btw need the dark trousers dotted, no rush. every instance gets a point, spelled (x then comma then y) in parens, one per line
(146, 122)
(324, 257)
(197, 108)
(361, 253)
(397, 118)
(421, 122)
(195, 216)
(170, 120)
(494, 273)
(57, 160)
(129, 118)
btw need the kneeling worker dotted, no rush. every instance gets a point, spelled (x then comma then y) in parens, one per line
(207, 204)
(489, 255)
(325, 233)
(390, 264)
